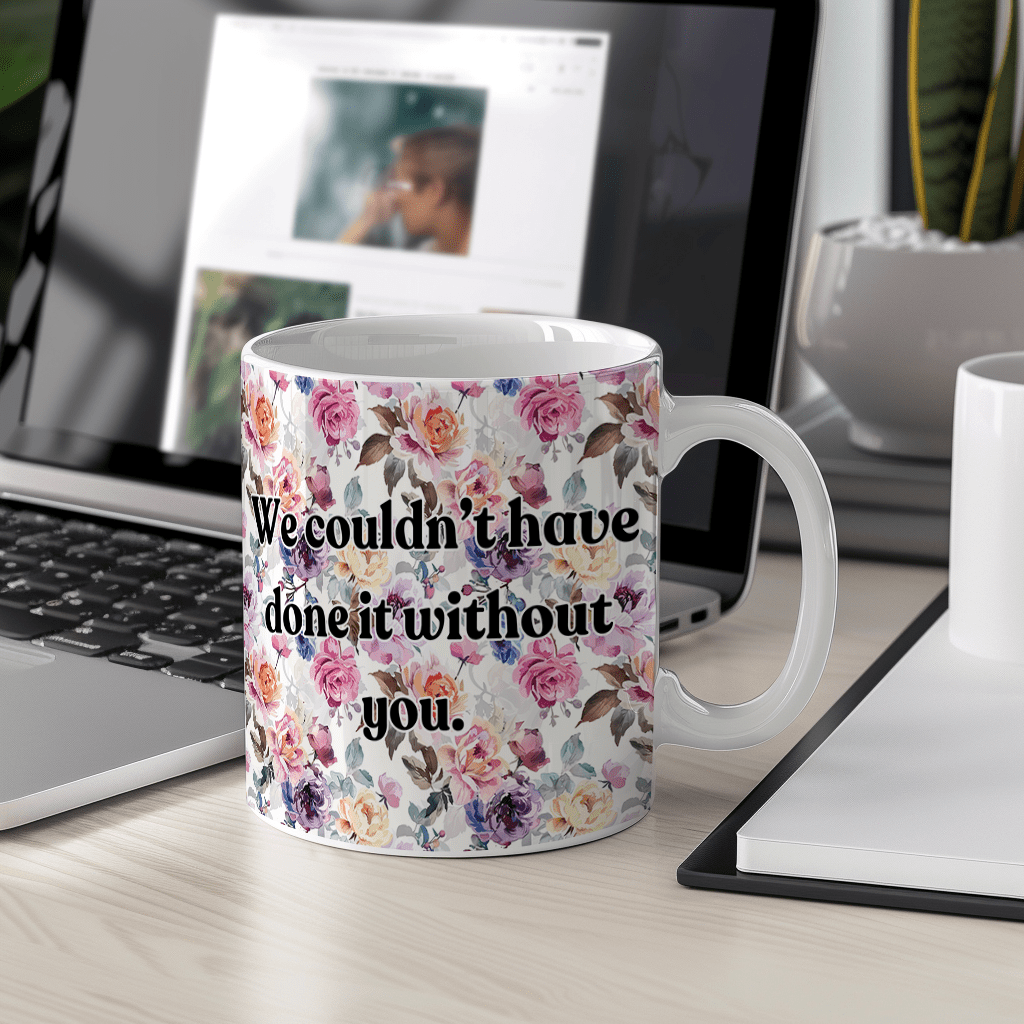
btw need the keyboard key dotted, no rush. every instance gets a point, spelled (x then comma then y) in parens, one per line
(229, 556)
(235, 681)
(229, 645)
(11, 560)
(132, 573)
(191, 548)
(36, 520)
(233, 628)
(182, 586)
(140, 659)
(182, 634)
(101, 592)
(42, 548)
(146, 601)
(159, 561)
(54, 581)
(68, 608)
(127, 620)
(134, 540)
(8, 538)
(22, 597)
(20, 624)
(80, 531)
(210, 574)
(201, 615)
(95, 550)
(196, 668)
(229, 660)
(89, 641)
(84, 562)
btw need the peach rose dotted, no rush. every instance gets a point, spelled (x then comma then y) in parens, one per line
(285, 482)
(434, 434)
(473, 762)
(369, 569)
(428, 679)
(364, 819)
(589, 809)
(259, 426)
(593, 564)
(263, 686)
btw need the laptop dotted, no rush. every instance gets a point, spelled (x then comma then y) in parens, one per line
(208, 171)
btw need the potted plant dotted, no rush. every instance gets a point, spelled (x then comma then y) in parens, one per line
(890, 306)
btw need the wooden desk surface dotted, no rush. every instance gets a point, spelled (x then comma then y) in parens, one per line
(176, 904)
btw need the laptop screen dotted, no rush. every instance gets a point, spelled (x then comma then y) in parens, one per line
(234, 167)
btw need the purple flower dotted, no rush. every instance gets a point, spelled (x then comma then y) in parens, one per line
(304, 384)
(302, 561)
(529, 482)
(506, 651)
(631, 615)
(309, 800)
(511, 814)
(305, 647)
(615, 773)
(319, 484)
(502, 562)
(319, 737)
(528, 746)
(509, 385)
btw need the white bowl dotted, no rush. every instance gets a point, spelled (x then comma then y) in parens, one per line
(887, 329)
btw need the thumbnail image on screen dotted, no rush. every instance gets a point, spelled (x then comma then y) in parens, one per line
(227, 310)
(391, 165)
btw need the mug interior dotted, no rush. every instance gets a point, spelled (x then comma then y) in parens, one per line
(481, 346)
(1003, 368)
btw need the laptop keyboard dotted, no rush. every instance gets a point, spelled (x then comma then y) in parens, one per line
(151, 599)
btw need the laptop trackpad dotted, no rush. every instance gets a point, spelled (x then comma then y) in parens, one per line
(16, 657)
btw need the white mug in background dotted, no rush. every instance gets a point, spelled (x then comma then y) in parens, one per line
(986, 541)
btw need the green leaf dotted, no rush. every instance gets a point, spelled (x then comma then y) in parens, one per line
(985, 206)
(572, 751)
(949, 71)
(353, 756)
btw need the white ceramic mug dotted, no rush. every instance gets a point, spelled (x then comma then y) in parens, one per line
(451, 580)
(986, 522)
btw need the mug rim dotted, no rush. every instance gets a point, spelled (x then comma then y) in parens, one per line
(626, 338)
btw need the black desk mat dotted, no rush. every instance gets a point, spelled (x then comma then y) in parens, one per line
(712, 865)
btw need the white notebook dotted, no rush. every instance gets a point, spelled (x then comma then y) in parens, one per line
(922, 785)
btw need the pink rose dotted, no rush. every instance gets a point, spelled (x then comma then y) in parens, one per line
(319, 485)
(389, 389)
(473, 763)
(550, 406)
(615, 774)
(280, 380)
(336, 674)
(285, 736)
(528, 746)
(284, 482)
(334, 406)
(469, 388)
(319, 737)
(389, 789)
(479, 481)
(548, 674)
(529, 482)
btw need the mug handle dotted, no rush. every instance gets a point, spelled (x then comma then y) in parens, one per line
(680, 717)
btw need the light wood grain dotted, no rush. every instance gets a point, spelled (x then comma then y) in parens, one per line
(176, 904)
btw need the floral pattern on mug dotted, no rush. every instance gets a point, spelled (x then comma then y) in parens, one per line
(542, 738)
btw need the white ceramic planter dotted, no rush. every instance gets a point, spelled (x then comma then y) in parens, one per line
(887, 329)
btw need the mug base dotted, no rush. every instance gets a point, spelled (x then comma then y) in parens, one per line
(559, 844)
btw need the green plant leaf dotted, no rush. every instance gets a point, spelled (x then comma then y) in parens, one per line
(949, 70)
(985, 205)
